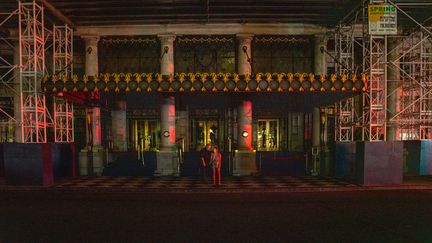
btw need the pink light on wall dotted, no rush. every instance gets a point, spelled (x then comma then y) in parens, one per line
(247, 109)
(171, 113)
(248, 139)
(172, 131)
(168, 118)
(97, 125)
(171, 120)
(171, 68)
(245, 125)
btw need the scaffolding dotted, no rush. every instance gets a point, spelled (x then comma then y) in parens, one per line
(411, 60)
(375, 98)
(32, 69)
(8, 74)
(63, 120)
(344, 48)
(414, 118)
(63, 66)
(29, 70)
(63, 50)
(426, 86)
(414, 63)
(409, 67)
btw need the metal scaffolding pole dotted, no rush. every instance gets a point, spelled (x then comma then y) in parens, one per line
(63, 50)
(375, 98)
(32, 68)
(414, 63)
(344, 47)
(408, 119)
(63, 120)
(8, 74)
(62, 65)
(426, 87)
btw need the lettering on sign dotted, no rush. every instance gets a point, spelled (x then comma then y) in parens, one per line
(382, 19)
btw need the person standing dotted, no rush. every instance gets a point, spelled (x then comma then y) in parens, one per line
(205, 156)
(216, 162)
(89, 121)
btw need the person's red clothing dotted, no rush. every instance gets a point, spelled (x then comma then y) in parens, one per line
(216, 160)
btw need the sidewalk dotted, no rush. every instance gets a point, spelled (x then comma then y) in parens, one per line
(229, 185)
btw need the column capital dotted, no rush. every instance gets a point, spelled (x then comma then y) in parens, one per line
(321, 38)
(91, 40)
(244, 37)
(167, 38)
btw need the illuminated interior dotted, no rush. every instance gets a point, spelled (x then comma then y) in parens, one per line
(145, 135)
(268, 135)
(204, 131)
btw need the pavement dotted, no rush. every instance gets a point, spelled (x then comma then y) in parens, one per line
(246, 184)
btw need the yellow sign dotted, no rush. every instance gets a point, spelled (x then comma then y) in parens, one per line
(382, 19)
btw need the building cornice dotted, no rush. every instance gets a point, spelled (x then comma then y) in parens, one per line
(203, 29)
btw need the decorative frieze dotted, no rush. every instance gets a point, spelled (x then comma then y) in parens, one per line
(207, 82)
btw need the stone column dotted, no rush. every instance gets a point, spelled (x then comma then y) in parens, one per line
(16, 95)
(316, 137)
(168, 129)
(95, 119)
(316, 130)
(244, 46)
(320, 62)
(320, 67)
(91, 55)
(167, 160)
(119, 126)
(245, 126)
(91, 161)
(167, 54)
(244, 157)
(92, 69)
(392, 88)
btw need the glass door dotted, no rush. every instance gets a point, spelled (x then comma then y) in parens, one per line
(268, 135)
(204, 131)
(145, 134)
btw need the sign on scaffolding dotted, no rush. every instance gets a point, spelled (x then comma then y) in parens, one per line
(382, 19)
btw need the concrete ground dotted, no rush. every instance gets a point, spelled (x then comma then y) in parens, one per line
(103, 216)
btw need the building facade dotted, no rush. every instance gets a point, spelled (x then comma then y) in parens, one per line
(278, 122)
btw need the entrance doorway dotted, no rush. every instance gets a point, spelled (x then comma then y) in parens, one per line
(145, 134)
(268, 135)
(204, 131)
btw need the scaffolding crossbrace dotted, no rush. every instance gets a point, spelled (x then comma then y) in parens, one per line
(344, 47)
(375, 98)
(414, 63)
(63, 50)
(32, 68)
(415, 108)
(63, 113)
(63, 66)
(8, 73)
(409, 66)
(426, 87)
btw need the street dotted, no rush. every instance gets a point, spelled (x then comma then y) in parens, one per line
(368, 216)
